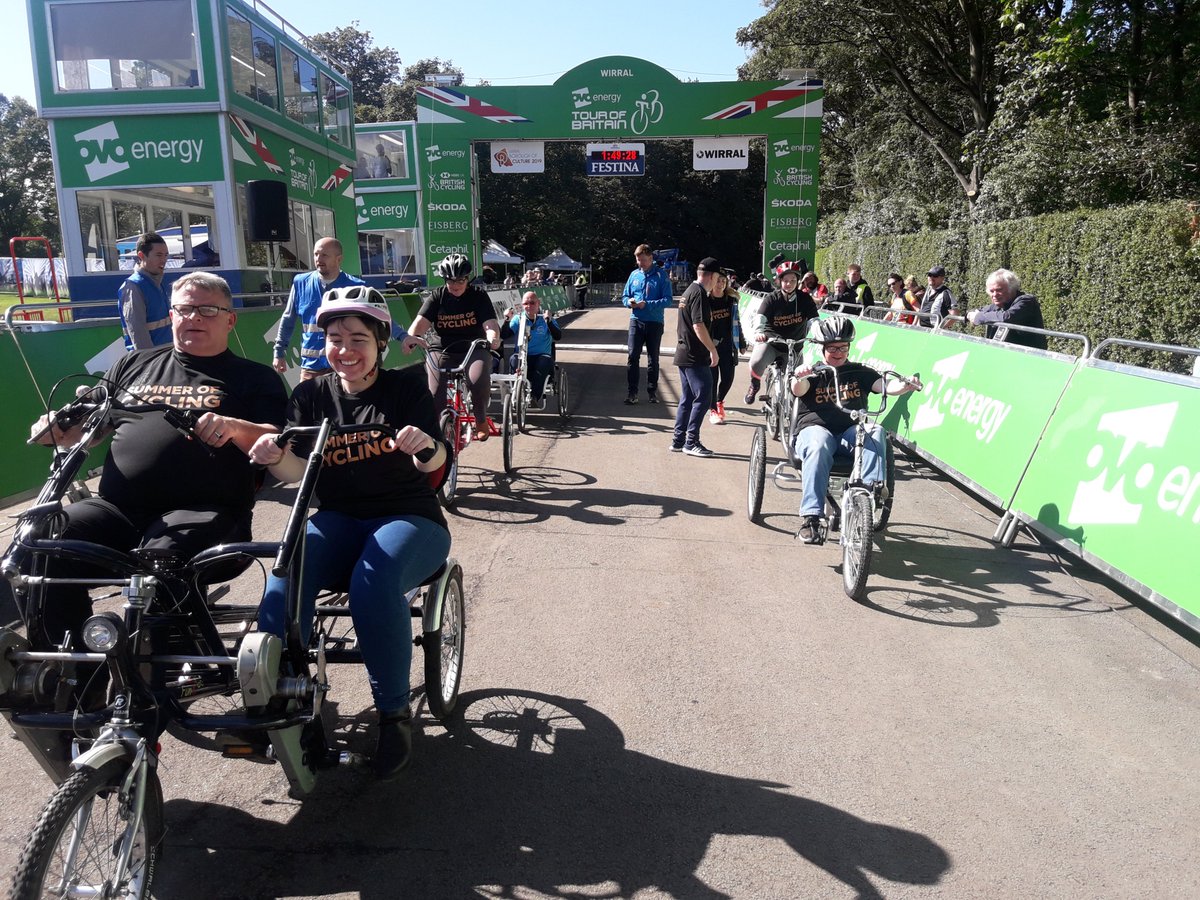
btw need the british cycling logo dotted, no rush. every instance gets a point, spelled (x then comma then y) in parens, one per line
(1122, 486)
(946, 400)
(105, 154)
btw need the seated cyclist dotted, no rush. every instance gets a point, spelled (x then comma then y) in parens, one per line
(543, 331)
(458, 313)
(379, 527)
(782, 314)
(826, 430)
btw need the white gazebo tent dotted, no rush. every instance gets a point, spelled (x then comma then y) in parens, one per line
(495, 253)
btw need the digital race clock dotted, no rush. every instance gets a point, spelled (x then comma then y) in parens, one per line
(616, 159)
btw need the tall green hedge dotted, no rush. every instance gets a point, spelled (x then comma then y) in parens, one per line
(1132, 272)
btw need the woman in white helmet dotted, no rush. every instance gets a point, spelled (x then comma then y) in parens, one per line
(380, 527)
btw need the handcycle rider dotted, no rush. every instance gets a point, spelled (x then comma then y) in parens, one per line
(827, 430)
(380, 527)
(459, 313)
(783, 314)
(543, 331)
(161, 490)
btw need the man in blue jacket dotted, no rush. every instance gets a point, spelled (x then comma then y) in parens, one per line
(144, 302)
(303, 301)
(647, 294)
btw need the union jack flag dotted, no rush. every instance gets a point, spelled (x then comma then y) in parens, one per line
(338, 176)
(767, 99)
(256, 143)
(464, 103)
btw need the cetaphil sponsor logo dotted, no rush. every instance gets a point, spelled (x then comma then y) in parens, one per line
(948, 400)
(436, 249)
(1127, 478)
(303, 171)
(791, 204)
(104, 154)
(792, 176)
(790, 246)
(446, 207)
(790, 222)
(785, 147)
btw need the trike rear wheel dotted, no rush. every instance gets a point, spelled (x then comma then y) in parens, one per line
(449, 428)
(443, 649)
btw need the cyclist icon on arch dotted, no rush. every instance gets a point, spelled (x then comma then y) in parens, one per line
(649, 112)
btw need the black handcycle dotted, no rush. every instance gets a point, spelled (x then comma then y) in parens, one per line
(852, 508)
(92, 716)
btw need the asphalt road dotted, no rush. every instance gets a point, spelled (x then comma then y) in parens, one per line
(662, 699)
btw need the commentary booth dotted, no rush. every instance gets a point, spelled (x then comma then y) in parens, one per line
(212, 121)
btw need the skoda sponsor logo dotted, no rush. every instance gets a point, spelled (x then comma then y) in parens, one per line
(446, 207)
(791, 204)
(105, 154)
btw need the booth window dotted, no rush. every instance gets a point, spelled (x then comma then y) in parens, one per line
(124, 45)
(388, 252)
(300, 89)
(252, 60)
(380, 154)
(110, 222)
(336, 106)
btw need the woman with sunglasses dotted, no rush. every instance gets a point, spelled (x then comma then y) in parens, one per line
(458, 314)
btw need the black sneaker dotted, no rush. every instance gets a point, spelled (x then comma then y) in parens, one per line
(675, 448)
(631, 400)
(395, 745)
(653, 397)
(698, 449)
(810, 530)
(752, 391)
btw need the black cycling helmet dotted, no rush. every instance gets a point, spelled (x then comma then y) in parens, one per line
(454, 266)
(833, 330)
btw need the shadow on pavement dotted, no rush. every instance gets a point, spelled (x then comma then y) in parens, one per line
(524, 792)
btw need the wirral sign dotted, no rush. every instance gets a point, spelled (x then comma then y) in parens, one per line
(620, 100)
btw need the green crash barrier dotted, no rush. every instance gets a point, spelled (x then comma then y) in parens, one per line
(1117, 480)
(984, 405)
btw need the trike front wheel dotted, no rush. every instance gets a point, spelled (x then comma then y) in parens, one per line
(449, 428)
(856, 542)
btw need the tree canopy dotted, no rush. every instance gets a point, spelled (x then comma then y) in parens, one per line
(28, 206)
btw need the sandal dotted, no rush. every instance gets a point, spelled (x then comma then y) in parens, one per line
(482, 434)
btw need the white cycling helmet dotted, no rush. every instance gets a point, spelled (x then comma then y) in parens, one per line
(833, 330)
(356, 300)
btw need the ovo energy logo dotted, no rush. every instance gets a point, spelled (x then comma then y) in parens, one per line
(1131, 475)
(102, 152)
(986, 413)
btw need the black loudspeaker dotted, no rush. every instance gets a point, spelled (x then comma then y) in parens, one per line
(267, 211)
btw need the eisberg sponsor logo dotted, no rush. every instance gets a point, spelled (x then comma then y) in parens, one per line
(446, 207)
(438, 225)
(945, 400)
(790, 204)
(1133, 474)
(790, 222)
(104, 154)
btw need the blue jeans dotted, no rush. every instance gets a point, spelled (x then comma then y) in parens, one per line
(816, 447)
(381, 559)
(695, 395)
(648, 335)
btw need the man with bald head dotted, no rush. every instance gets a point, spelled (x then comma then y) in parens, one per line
(303, 301)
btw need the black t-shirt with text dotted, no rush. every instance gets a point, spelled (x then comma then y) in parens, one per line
(819, 405)
(788, 316)
(363, 474)
(151, 467)
(693, 310)
(723, 311)
(457, 320)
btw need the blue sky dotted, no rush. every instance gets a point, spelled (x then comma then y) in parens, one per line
(527, 42)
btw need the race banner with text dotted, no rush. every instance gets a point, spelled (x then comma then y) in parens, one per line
(123, 151)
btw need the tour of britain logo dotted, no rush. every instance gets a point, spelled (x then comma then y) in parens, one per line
(647, 110)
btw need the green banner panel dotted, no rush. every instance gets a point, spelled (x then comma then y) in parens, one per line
(1117, 476)
(116, 151)
(387, 210)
